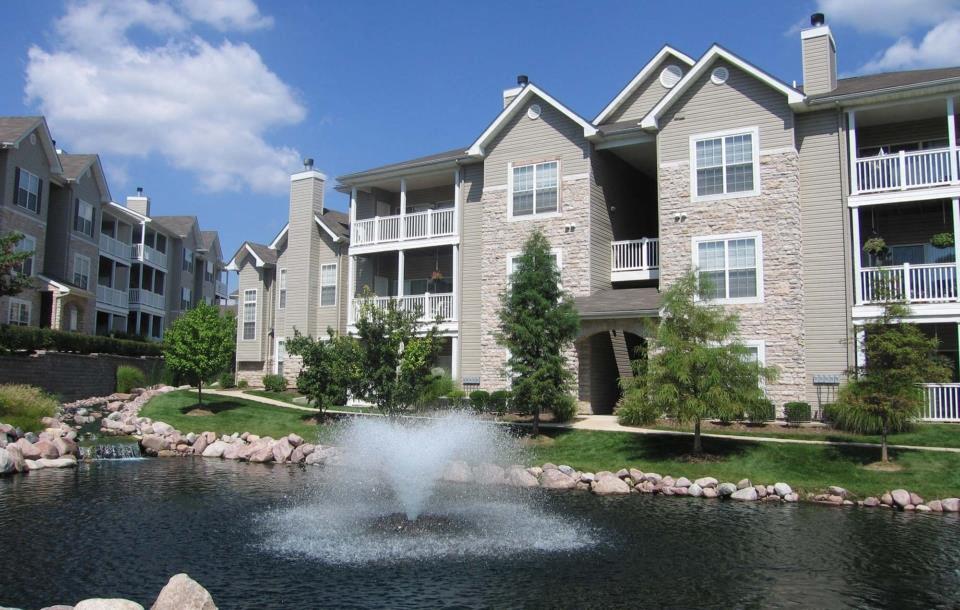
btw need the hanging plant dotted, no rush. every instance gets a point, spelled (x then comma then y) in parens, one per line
(942, 240)
(436, 276)
(876, 246)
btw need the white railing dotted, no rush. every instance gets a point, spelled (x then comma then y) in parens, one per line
(143, 252)
(421, 225)
(221, 289)
(904, 170)
(635, 254)
(112, 296)
(145, 297)
(114, 247)
(911, 283)
(429, 306)
(943, 402)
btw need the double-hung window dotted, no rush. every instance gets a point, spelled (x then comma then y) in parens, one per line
(208, 271)
(513, 261)
(81, 271)
(534, 189)
(27, 192)
(725, 164)
(83, 217)
(328, 285)
(186, 297)
(730, 267)
(18, 313)
(249, 314)
(187, 260)
(282, 282)
(27, 244)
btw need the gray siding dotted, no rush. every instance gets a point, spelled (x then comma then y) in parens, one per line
(743, 101)
(636, 105)
(303, 239)
(819, 65)
(247, 278)
(471, 268)
(601, 229)
(902, 132)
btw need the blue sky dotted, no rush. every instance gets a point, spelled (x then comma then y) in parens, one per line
(208, 105)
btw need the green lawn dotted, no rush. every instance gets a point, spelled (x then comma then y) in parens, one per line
(921, 435)
(229, 415)
(805, 467)
(289, 395)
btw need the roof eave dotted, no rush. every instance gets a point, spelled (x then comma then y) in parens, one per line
(929, 87)
(360, 178)
(641, 76)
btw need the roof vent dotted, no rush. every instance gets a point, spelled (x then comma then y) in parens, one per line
(307, 164)
(817, 19)
(139, 191)
(522, 80)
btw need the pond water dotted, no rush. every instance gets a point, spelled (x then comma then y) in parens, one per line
(119, 528)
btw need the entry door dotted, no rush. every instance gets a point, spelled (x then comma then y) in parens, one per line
(281, 352)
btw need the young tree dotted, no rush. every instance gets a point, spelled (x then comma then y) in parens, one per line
(396, 352)
(200, 343)
(538, 322)
(12, 278)
(330, 368)
(885, 394)
(697, 369)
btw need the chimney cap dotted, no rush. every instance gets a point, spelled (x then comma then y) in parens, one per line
(522, 80)
(817, 19)
(308, 164)
(139, 191)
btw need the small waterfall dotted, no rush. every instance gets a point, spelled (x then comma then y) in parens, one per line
(115, 451)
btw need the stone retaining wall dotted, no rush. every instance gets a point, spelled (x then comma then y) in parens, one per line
(72, 376)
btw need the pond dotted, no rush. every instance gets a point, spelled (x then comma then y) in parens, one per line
(121, 528)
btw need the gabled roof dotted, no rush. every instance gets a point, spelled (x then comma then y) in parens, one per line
(888, 82)
(642, 75)
(74, 167)
(428, 160)
(336, 224)
(263, 256)
(207, 239)
(181, 226)
(716, 52)
(13, 129)
(115, 208)
(528, 91)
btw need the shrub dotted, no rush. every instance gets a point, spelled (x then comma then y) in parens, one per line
(797, 412)
(129, 377)
(243, 384)
(565, 408)
(31, 339)
(227, 380)
(456, 398)
(23, 406)
(274, 383)
(439, 386)
(633, 409)
(500, 401)
(760, 411)
(479, 400)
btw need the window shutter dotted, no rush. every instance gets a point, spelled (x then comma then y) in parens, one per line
(16, 185)
(39, 195)
(76, 213)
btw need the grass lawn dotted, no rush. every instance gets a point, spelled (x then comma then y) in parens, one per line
(227, 415)
(805, 467)
(289, 395)
(921, 435)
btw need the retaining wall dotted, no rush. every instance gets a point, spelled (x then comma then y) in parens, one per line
(72, 376)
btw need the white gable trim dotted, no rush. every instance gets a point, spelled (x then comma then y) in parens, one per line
(280, 235)
(47, 141)
(477, 148)
(641, 76)
(651, 120)
(324, 226)
(234, 264)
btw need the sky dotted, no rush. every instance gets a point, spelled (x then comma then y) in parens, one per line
(209, 105)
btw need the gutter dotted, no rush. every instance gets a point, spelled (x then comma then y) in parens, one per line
(880, 92)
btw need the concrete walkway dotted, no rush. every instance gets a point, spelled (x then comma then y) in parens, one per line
(608, 423)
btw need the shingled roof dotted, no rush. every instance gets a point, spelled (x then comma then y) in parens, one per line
(13, 128)
(75, 165)
(178, 225)
(875, 83)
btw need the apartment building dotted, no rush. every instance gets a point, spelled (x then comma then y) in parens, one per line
(98, 266)
(769, 188)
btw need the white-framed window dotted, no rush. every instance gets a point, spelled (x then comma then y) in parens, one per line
(282, 289)
(18, 312)
(187, 264)
(534, 189)
(733, 266)
(208, 271)
(83, 217)
(328, 285)
(81, 271)
(73, 318)
(514, 257)
(725, 164)
(756, 353)
(250, 314)
(27, 244)
(29, 187)
(186, 298)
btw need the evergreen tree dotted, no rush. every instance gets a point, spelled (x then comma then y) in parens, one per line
(697, 370)
(12, 278)
(200, 344)
(538, 322)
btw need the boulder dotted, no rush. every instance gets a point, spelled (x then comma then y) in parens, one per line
(47, 449)
(951, 505)
(725, 489)
(64, 462)
(162, 428)
(679, 491)
(915, 499)
(200, 444)
(667, 491)
(517, 476)
(32, 465)
(57, 607)
(667, 481)
(232, 452)
(29, 451)
(261, 453)
(554, 479)
(710, 492)
(623, 473)
(652, 477)
(282, 450)
(549, 466)
(152, 443)
(886, 499)
(535, 471)
(454, 472)
(695, 490)
(782, 489)
(792, 497)
(682, 482)
(183, 593)
(191, 437)
(646, 487)
(636, 475)
(587, 477)
(99, 603)
(566, 469)
(295, 439)
(747, 494)
(609, 485)
(936, 506)
(761, 491)
(901, 497)
(317, 457)
(744, 483)
(300, 453)
(871, 501)
(16, 456)
(923, 508)
(705, 482)
(65, 446)
(490, 474)
(834, 490)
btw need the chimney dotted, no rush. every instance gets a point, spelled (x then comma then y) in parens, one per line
(819, 52)
(139, 203)
(510, 94)
(307, 243)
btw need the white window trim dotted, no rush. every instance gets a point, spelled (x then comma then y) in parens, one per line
(243, 303)
(695, 255)
(281, 288)
(754, 132)
(80, 208)
(555, 251)
(76, 266)
(32, 248)
(19, 302)
(188, 293)
(761, 346)
(16, 196)
(276, 353)
(336, 289)
(534, 215)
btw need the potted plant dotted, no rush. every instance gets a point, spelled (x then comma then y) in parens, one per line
(877, 247)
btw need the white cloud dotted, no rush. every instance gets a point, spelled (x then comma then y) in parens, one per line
(890, 17)
(227, 15)
(939, 47)
(203, 107)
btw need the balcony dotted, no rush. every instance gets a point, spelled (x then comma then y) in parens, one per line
(429, 306)
(111, 296)
(145, 254)
(935, 283)
(403, 227)
(220, 289)
(942, 402)
(905, 170)
(635, 259)
(115, 248)
(145, 298)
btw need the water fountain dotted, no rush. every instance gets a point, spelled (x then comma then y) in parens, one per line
(387, 499)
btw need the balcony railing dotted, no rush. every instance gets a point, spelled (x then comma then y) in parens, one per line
(139, 296)
(635, 254)
(112, 296)
(911, 283)
(145, 253)
(403, 227)
(429, 306)
(221, 289)
(942, 402)
(115, 248)
(905, 170)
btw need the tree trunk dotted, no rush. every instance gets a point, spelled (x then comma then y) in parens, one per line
(536, 422)
(697, 445)
(200, 392)
(883, 445)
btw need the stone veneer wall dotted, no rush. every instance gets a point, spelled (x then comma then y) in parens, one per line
(775, 213)
(73, 376)
(502, 238)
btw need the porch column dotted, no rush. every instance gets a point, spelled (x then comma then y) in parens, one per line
(455, 310)
(456, 201)
(952, 135)
(351, 284)
(353, 213)
(852, 133)
(455, 358)
(403, 208)
(955, 204)
(400, 273)
(861, 357)
(857, 279)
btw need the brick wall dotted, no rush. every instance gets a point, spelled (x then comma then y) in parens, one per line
(72, 376)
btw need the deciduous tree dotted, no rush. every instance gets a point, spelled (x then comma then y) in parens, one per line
(12, 278)
(329, 369)
(200, 343)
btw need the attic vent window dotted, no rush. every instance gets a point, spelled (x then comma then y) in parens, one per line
(33, 139)
(719, 75)
(533, 112)
(670, 76)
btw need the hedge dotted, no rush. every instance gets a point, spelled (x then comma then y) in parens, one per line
(31, 339)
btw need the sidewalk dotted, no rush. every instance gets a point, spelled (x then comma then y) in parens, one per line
(608, 423)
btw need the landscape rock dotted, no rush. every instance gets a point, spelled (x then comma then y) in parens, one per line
(47, 449)
(200, 444)
(652, 477)
(517, 476)
(636, 475)
(454, 472)
(682, 482)
(710, 492)
(725, 489)
(915, 499)
(695, 490)
(746, 494)
(152, 443)
(667, 481)
(554, 479)
(623, 473)
(744, 483)
(587, 477)
(834, 490)
(301, 452)
(490, 474)
(315, 458)
(951, 505)
(97, 603)
(262, 452)
(935, 506)
(295, 439)
(16, 456)
(282, 450)
(761, 491)
(232, 452)
(183, 593)
(162, 428)
(549, 466)
(901, 497)
(535, 471)
(923, 508)
(886, 499)
(792, 497)
(706, 482)
(566, 469)
(871, 501)
(782, 489)
(609, 485)
(29, 451)
(64, 462)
